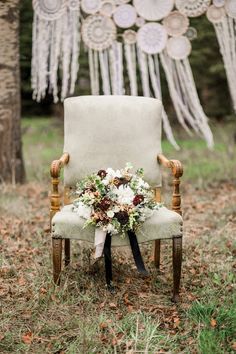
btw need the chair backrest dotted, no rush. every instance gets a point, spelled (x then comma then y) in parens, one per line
(108, 131)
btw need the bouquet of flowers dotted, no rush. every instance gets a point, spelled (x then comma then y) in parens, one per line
(114, 201)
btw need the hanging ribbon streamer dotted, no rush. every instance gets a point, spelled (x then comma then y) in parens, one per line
(130, 57)
(56, 39)
(225, 28)
(185, 98)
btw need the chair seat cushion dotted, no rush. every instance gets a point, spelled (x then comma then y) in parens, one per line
(163, 224)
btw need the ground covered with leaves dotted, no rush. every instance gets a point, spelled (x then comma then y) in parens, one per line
(80, 316)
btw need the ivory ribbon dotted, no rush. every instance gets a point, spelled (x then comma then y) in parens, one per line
(99, 241)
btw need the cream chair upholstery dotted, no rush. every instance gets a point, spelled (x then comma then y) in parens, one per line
(108, 131)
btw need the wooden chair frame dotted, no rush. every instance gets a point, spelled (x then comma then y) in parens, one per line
(56, 201)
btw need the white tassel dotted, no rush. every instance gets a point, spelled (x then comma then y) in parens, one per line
(103, 60)
(155, 80)
(142, 60)
(130, 57)
(75, 32)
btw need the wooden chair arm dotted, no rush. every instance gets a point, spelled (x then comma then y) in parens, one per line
(56, 165)
(55, 199)
(177, 171)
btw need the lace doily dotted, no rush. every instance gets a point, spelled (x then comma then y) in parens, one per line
(125, 16)
(90, 6)
(230, 7)
(153, 10)
(191, 33)
(219, 3)
(152, 38)
(176, 23)
(49, 9)
(98, 32)
(130, 37)
(215, 14)
(107, 7)
(192, 8)
(178, 47)
(74, 5)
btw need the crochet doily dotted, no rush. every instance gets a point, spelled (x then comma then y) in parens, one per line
(74, 5)
(215, 14)
(98, 32)
(152, 38)
(176, 23)
(153, 10)
(191, 33)
(178, 47)
(130, 37)
(218, 3)
(107, 8)
(48, 9)
(90, 6)
(192, 8)
(230, 7)
(125, 16)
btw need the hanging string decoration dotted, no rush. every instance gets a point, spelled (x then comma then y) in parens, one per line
(223, 17)
(126, 41)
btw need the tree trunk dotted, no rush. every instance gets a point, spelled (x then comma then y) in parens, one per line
(11, 160)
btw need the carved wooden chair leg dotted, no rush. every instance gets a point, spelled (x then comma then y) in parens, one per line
(56, 257)
(157, 253)
(67, 252)
(177, 262)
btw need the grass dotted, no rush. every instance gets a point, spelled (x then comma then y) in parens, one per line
(43, 142)
(80, 316)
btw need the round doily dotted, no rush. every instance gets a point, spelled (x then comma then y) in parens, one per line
(178, 47)
(90, 6)
(98, 32)
(49, 9)
(130, 37)
(74, 5)
(125, 16)
(215, 14)
(152, 38)
(191, 33)
(230, 7)
(107, 7)
(218, 3)
(153, 10)
(192, 8)
(140, 21)
(176, 23)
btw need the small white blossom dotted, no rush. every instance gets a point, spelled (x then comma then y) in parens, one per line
(110, 214)
(125, 195)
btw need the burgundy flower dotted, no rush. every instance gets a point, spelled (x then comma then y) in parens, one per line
(102, 173)
(122, 217)
(138, 199)
(118, 181)
(104, 204)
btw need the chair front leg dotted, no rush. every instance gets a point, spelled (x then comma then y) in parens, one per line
(67, 252)
(177, 262)
(56, 258)
(157, 253)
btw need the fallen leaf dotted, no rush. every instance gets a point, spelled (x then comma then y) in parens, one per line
(112, 305)
(27, 337)
(213, 322)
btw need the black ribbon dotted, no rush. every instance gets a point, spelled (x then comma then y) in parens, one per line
(136, 254)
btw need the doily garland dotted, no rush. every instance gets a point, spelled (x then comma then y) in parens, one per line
(134, 48)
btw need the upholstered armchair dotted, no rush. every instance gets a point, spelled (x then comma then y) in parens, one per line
(108, 131)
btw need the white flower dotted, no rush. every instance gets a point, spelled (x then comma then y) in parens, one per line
(110, 214)
(116, 209)
(111, 229)
(83, 210)
(125, 195)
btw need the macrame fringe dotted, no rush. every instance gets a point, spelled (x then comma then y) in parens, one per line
(55, 42)
(185, 98)
(226, 36)
(130, 57)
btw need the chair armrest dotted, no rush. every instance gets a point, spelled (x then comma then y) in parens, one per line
(177, 171)
(55, 199)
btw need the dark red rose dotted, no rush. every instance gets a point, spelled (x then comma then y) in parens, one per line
(122, 217)
(104, 204)
(102, 173)
(138, 199)
(118, 181)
